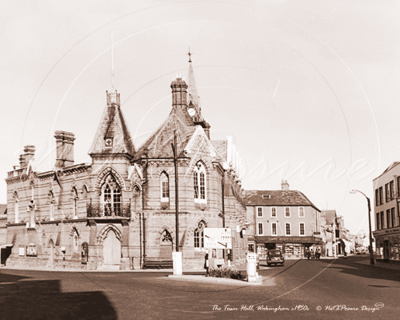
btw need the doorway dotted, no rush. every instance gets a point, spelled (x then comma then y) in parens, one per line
(386, 249)
(111, 249)
(166, 246)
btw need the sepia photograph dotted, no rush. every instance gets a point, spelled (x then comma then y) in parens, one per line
(187, 159)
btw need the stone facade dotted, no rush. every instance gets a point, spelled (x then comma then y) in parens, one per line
(118, 212)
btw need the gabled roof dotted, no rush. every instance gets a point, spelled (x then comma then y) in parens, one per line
(159, 144)
(3, 209)
(276, 198)
(113, 125)
(221, 146)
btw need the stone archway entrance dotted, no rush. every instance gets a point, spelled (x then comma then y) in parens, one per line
(111, 251)
(166, 246)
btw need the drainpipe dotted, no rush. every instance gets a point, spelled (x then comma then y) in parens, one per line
(140, 237)
(143, 206)
(223, 208)
(223, 199)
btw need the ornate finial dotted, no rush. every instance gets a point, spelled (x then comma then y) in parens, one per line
(189, 54)
(112, 60)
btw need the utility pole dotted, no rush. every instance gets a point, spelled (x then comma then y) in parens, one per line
(174, 150)
(371, 253)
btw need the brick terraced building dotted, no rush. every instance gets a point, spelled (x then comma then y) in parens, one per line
(118, 212)
(283, 219)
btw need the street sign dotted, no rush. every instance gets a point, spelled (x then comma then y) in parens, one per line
(217, 238)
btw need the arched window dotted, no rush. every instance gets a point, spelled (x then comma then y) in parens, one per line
(164, 187)
(136, 198)
(75, 203)
(111, 197)
(199, 235)
(16, 209)
(51, 205)
(199, 182)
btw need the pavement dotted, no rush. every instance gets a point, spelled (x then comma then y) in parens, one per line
(394, 266)
(202, 278)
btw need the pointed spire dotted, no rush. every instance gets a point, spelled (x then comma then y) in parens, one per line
(112, 61)
(193, 96)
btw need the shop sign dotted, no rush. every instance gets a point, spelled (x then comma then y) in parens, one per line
(217, 238)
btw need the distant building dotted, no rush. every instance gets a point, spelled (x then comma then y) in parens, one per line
(386, 213)
(284, 219)
(330, 232)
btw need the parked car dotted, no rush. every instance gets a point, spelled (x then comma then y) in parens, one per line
(275, 257)
(361, 250)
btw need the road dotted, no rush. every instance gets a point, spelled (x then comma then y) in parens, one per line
(342, 288)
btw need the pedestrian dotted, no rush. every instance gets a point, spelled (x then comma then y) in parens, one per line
(206, 263)
(311, 253)
(308, 254)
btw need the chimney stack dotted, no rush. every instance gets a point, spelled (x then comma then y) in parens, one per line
(179, 93)
(28, 155)
(22, 163)
(65, 148)
(284, 185)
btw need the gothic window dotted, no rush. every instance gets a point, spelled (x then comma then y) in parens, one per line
(75, 241)
(84, 192)
(111, 197)
(199, 182)
(51, 205)
(164, 187)
(16, 209)
(166, 237)
(75, 203)
(199, 235)
(136, 198)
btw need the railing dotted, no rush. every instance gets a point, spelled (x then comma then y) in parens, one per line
(98, 211)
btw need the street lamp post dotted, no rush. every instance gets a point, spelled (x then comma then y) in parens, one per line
(371, 255)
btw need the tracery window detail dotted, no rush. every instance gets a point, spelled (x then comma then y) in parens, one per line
(199, 235)
(199, 182)
(164, 187)
(111, 197)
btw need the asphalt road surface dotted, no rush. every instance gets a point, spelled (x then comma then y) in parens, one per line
(304, 289)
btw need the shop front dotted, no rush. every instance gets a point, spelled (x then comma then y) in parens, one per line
(292, 247)
(388, 245)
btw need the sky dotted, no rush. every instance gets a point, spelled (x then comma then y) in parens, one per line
(308, 90)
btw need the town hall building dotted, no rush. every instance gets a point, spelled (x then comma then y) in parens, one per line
(119, 211)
